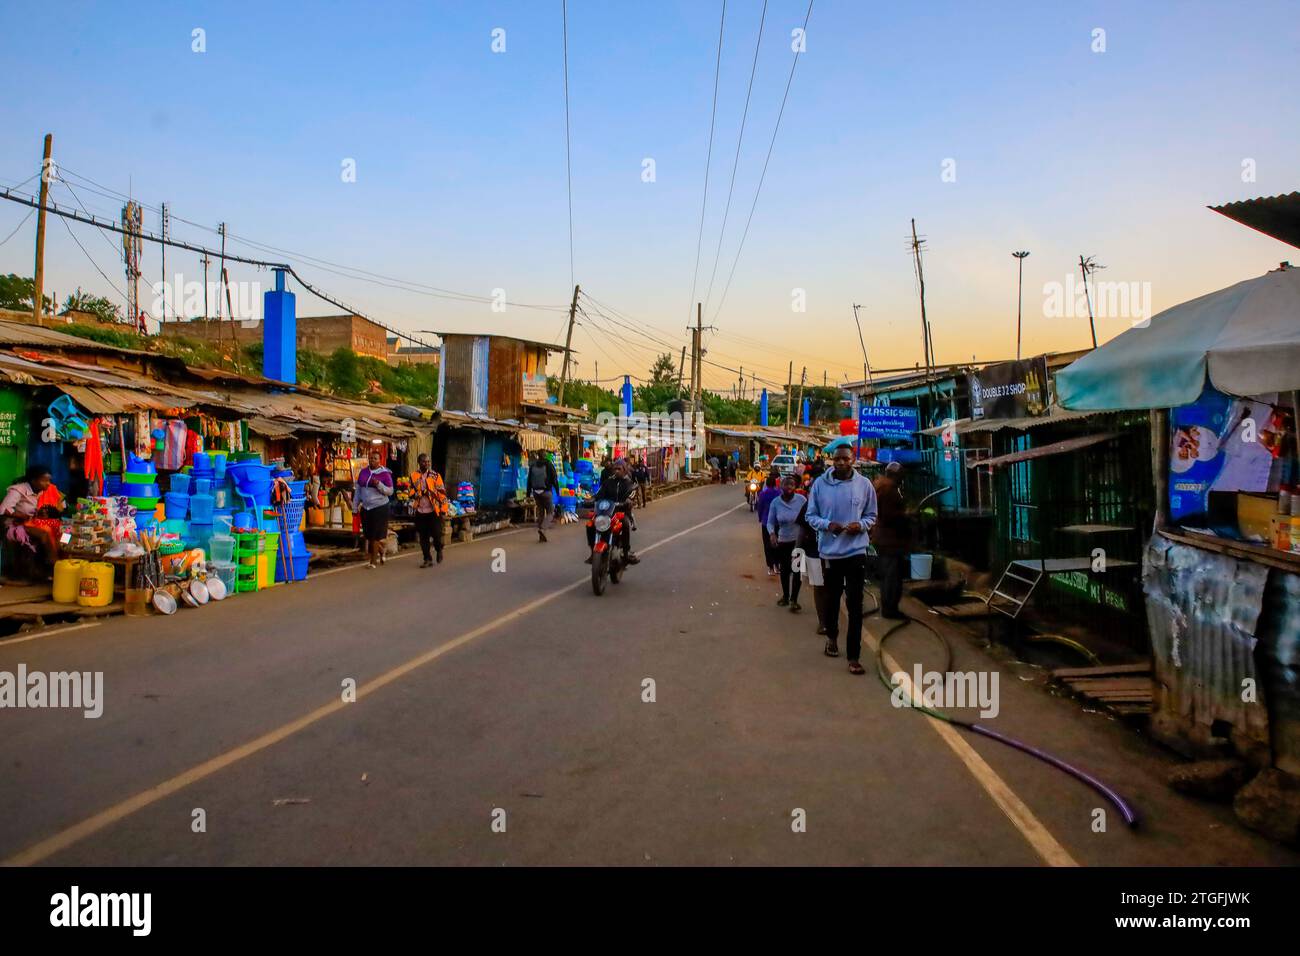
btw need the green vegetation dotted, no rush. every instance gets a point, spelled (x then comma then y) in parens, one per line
(95, 305)
(16, 292)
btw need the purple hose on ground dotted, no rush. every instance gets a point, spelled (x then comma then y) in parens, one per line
(1130, 816)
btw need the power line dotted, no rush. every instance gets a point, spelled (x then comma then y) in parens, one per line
(568, 162)
(350, 272)
(92, 261)
(708, 161)
(753, 69)
(17, 227)
(52, 208)
(776, 129)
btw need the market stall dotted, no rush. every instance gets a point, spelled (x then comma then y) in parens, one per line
(1221, 572)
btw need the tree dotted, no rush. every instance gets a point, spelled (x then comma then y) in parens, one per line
(95, 305)
(664, 370)
(16, 293)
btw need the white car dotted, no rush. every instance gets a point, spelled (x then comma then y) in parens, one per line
(785, 464)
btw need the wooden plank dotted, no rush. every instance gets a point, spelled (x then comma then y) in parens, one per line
(1109, 683)
(1139, 668)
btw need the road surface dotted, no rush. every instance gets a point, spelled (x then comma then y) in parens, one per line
(502, 719)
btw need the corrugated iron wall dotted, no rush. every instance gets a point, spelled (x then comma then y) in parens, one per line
(1202, 611)
(479, 378)
(505, 379)
(458, 372)
(1278, 656)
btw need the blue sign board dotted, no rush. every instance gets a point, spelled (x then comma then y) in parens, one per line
(888, 421)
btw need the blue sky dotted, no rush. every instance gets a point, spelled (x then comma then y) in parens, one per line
(461, 173)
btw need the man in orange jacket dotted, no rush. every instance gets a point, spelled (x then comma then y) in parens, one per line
(429, 507)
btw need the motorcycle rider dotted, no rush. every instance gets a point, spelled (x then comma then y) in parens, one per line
(619, 488)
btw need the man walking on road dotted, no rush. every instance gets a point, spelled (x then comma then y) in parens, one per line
(430, 501)
(842, 508)
(891, 538)
(541, 479)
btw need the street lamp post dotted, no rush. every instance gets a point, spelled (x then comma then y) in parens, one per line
(1020, 295)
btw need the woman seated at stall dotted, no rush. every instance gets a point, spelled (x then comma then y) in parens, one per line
(29, 547)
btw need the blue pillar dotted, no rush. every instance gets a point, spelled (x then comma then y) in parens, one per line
(762, 408)
(627, 396)
(279, 333)
(807, 410)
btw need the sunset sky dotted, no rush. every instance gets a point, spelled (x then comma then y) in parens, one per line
(459, 152)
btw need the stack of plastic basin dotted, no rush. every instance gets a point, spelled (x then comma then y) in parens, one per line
(180, 483)
(139, 466)
(178, 505)
(292, 565)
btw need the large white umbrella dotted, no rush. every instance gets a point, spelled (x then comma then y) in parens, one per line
(1245, 339)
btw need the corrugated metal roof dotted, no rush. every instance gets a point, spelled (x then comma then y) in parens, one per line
(1055, 415)
(1276, 216)
(24, 335)
(1042, 451)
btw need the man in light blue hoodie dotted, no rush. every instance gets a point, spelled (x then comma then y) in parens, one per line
(842, 509)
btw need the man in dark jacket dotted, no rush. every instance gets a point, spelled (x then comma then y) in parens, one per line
(891, 538)
(541, 479)
(619, 488)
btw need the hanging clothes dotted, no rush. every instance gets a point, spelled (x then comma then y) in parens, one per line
(94, 453)
(175, 438)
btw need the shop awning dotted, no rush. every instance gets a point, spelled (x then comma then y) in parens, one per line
(1245, 338)
(269, 428)
(532, 440)
(1043, 451)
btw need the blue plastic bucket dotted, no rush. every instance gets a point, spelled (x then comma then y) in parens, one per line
(177, 506)
(202, 486)
(297, 567)
(201, 461)
(180, 484)
(219, 465)
(201, 507)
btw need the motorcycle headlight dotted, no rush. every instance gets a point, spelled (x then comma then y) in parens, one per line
(601, 523)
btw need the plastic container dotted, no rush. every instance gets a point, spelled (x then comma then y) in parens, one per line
(178, 506)
(67, 580)
(180, 484)
(175, 526)
(96, 586)
(227, 571)
(202, 486)
(297, 567)
(139, 466)
(223, 524)
(218, 465)
(140, 478)
(132, 490)
(202, 462)
(221, 548)
(142, 504)
(201, 508)
(921, 566)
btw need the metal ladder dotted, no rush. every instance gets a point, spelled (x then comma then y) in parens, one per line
(1003, 599)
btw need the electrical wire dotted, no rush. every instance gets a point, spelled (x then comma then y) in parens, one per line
(93, 262)
(758, 191)
(708, 160)
(726, 210)
(29, 215)
(568, 161)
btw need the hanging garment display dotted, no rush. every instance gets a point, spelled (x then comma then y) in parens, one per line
(173, 453)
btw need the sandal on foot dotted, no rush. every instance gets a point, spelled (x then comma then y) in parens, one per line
(832, 649)
(856, 668)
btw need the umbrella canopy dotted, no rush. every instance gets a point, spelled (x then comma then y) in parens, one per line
(1246, 338)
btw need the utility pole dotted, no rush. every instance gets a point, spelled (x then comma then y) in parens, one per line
(697, 372)
(206, 262)
(798, 406)
(925, 323)
(38, 290)
(866, 366)
(1087, 267)
(789, 390)
(1020, 296)
(568, 341)
(163, 251)
(221, 228)
(681, 367)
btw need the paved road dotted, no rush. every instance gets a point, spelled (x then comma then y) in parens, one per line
(521, 692)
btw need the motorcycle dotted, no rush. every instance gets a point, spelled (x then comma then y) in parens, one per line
(751, 494)
(608, 559)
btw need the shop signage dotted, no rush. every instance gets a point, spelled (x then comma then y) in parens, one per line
(534, 388)
(887, 421)
(1218, 443)
(1009, 389)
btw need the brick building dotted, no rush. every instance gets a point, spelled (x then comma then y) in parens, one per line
(316, 333)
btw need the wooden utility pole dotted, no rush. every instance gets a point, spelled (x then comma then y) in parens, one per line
(206, 262)
(789, 391)
(568, 341)
(162, 249)
(925, 322)
(38, 284)
(1087, 266)
(697, 373)
(798, 406)
(681, 367)
(866, 365)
